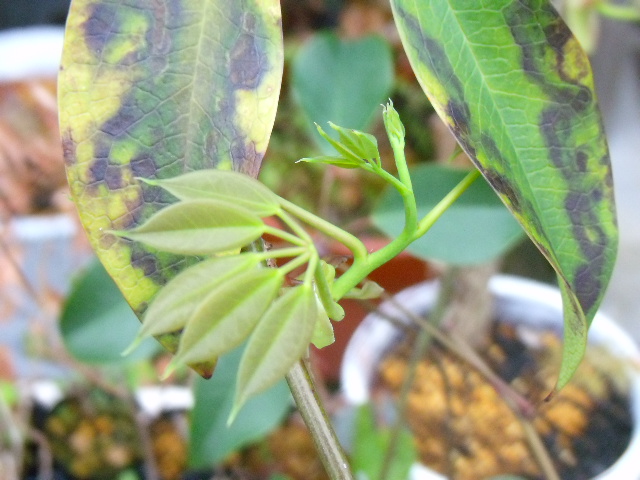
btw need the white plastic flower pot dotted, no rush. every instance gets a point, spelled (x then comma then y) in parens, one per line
(534, 304)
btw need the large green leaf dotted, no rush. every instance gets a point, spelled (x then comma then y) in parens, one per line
(516, 89)
(211, 440)
(343, 81)
(96, 323)
(477, 228)
(156, 89)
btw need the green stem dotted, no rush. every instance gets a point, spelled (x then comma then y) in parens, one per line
(314, 263)
(310, 406)
(350, 241)
(295, 227)
(363, 267)
(286, 236)
(295, 263)
(619, 12)
(386, 176)
(436, 212)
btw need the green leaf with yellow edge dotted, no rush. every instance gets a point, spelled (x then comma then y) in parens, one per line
(198, 227)
(225, 186)
(176, 302)
(277, 343)
(516, 89)
(228, 314)
(154, 90)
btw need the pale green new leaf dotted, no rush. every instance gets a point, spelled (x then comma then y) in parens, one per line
(368, 291)
(342, 149)
(228, 314)
(363, 145)
(333, 160)
(323, 330)
(176, 302)
(279, 340)
(198, 227)
(223, 185)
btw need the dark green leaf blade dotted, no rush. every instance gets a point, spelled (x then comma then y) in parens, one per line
(342, 81)
(156, 89)
(516, 89)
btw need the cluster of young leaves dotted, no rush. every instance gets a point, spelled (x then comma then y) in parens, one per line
(234, 295)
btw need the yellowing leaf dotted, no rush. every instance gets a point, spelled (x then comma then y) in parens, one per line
(516, 89)
(156, 89)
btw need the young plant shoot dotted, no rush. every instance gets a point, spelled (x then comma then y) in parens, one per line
(235, 295)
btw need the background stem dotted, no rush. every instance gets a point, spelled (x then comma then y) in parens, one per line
(302, 386)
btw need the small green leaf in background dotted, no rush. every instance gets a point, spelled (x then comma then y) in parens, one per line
(476, 229)
(343, 81)
(370, 443)
(225, 186)
(279, 340)
(198, 227)
(97, 324)
(516, 89)
(211, 441)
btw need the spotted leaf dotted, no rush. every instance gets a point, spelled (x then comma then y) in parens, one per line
(154, 90)
(516, 89)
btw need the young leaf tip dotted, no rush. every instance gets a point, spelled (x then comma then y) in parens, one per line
(133, 346)
(171, 367)
(393, 125)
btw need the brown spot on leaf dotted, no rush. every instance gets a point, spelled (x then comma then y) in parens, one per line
(98, 169)
(143, 166)
(68, 149)
(113, 177)
(246, 63)
(98, 26)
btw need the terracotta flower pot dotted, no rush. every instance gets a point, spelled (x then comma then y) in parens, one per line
(531, 304)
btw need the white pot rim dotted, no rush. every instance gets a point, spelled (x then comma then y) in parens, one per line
(514, 295)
